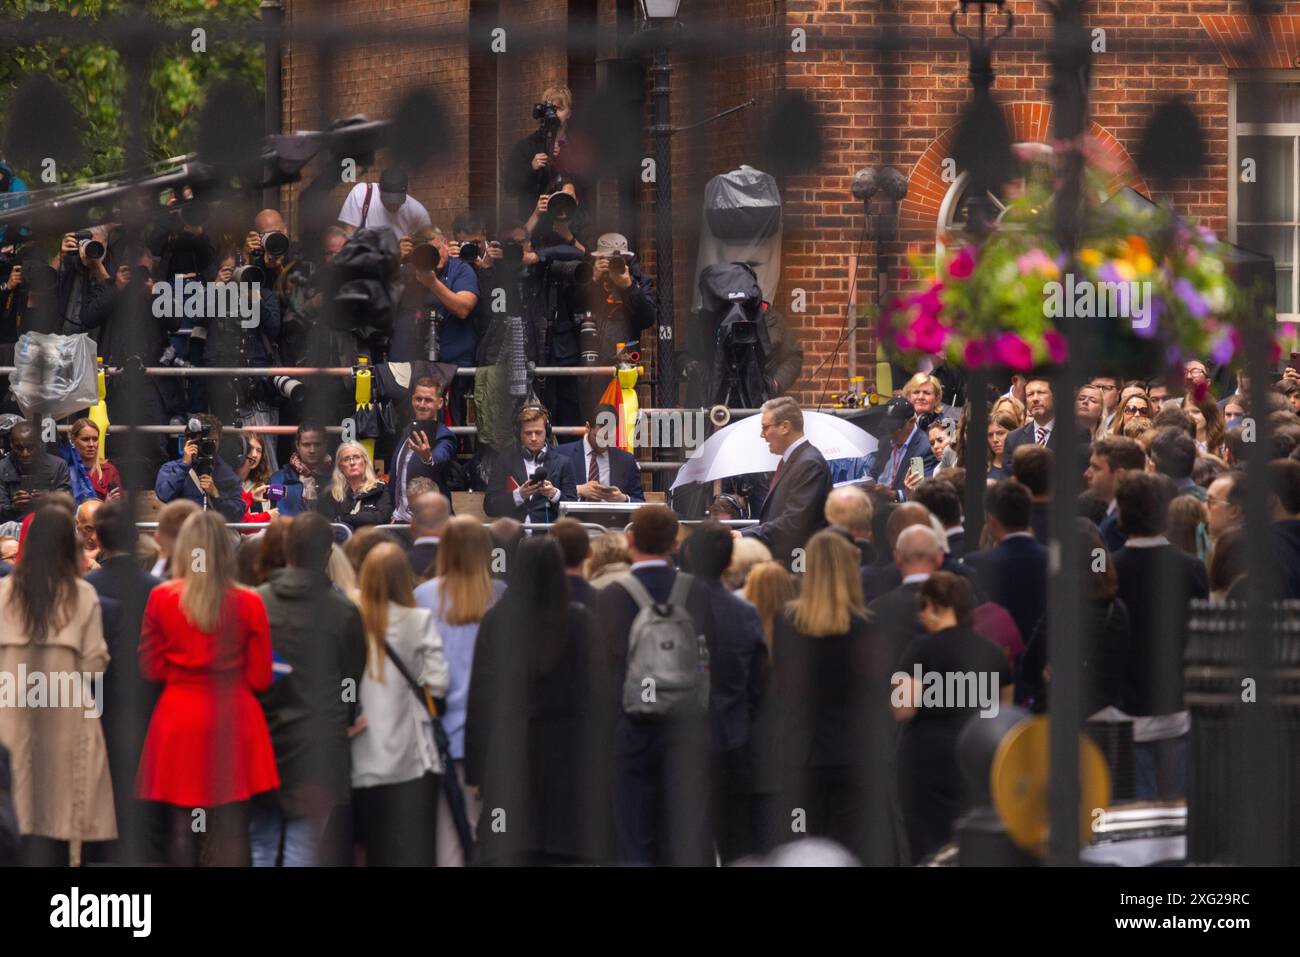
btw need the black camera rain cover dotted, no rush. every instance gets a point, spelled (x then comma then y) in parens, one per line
(725, 285)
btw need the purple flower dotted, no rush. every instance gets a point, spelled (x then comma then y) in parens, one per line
(963, 264)
(1147, 330)
(1107, 272)
(1194, 301)
(1222, 349)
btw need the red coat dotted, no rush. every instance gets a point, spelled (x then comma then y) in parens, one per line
(208, 743)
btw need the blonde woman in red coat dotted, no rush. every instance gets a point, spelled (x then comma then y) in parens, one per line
(208, 750)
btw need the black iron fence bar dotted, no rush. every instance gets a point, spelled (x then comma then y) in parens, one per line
(298, 372)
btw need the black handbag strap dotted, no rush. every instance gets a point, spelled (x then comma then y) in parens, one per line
(426, 700)
(365, 207)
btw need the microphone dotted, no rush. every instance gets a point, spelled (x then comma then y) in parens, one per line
(539, 475)
(864, 184)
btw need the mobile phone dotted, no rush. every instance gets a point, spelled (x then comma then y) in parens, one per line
(917, 466)
(31, 483)
(1295, 361)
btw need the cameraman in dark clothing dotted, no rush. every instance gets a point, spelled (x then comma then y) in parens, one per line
(235, 341)
(200, 474)
(537, 159)
(124, 326)
(83, 281)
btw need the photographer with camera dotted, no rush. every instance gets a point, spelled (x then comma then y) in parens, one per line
(83, 280)
(201, 474)
(239, 341)
(383, 205)
(267, 245)
(537, 159)
(27, 473)
(440, 327)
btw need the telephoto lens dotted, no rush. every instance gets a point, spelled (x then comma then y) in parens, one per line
(472, 252)
(561, 206)
(249, 273)
(588, 340)
(275, 243)
(90, 247)
(292, 389)
(425, 257)
(617, 265)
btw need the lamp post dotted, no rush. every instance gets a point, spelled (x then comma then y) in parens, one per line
(662, 15)
(879, 227)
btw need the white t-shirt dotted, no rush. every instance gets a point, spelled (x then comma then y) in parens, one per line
(404, 222)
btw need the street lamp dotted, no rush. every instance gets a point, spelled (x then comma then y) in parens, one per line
(662, 14)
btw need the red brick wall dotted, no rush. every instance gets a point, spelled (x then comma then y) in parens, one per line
(874, 112)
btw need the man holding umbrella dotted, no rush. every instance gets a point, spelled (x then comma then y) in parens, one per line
(793, 507)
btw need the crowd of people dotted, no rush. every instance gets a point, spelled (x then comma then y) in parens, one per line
(313, 660)
(459, 692)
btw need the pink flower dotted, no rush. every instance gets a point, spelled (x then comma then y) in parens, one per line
(977, 353)
(1057, 346)
(929, 334)
(903, 339)
(963, 264)
(1013, 352)
(928, 302)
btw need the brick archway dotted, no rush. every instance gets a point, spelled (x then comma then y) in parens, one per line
(1028, 123)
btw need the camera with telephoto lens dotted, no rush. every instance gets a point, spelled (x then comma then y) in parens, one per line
(200, 432)
(548, 114)
(274, 243)
(295, 390)
(90, 247)
(248, 273)
(426, 257)
(512, 253)
(561, 207)
(470, 252)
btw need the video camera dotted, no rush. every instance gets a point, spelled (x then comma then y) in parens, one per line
(200, 432)
(547, 114)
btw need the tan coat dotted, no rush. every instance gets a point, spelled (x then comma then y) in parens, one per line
(61, 785)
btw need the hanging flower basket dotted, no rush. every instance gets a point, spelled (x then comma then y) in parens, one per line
(1154, 286)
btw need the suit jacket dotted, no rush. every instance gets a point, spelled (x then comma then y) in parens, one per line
(1040, 520)
(894, 621)
(444, 451)
(795, 503)
(1014, 575)
(957, 545)
(1025, 435)
(917, 445)
(624, 473)
(1286, 549)
(883, 577)
(1111, 533)
(500, 500)
(1155, 585)
(737, 667)
(582, 591)
(422, 557)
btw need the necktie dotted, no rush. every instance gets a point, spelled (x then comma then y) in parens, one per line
(593, 469)
(1042, 435)
(777, 473)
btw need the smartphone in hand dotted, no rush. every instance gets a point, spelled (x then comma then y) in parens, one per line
(917, 467)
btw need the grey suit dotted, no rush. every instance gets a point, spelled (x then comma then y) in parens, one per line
(793, 508)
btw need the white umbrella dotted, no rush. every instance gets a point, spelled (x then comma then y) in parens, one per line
(738, 449)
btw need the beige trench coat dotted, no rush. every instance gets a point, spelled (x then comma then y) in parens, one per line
(61, 784)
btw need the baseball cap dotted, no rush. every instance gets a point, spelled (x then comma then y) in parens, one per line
(393, 180)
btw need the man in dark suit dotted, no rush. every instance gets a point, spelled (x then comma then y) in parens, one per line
(849, 512)
(917, 554)
(425, 447)
(885, 575)
(575, 543)
(604, 472)
(429, 514)
(513, 492)
(1013, 573)
(1156, 581)
(1041, 427)
(661, 763)
(943, 499)
(123, 589)
(793, 507)
(901, 441)
(1111, 457)
(1031, 466)
(738, 675)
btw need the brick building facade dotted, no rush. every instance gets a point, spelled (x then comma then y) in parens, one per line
(895, 108)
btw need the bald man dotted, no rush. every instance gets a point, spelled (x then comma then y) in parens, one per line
(849, 512)
(883, 577)
(429, 514)
(86, 530)
(918, 553)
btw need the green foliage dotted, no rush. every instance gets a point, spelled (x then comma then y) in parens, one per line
(93, 76)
